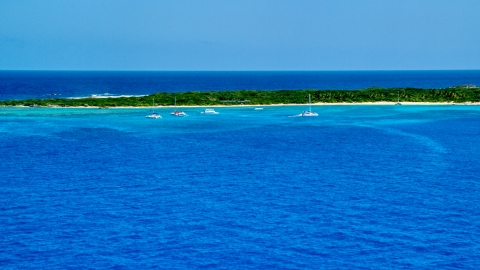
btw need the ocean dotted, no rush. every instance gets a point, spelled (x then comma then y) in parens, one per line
(358, 187)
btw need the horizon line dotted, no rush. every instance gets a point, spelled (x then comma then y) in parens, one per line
(234, 70)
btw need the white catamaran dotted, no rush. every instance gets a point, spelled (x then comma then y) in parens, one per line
(309, 112)
(154, 115)
(177, 113)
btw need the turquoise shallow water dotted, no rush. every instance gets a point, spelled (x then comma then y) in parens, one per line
(356, 187)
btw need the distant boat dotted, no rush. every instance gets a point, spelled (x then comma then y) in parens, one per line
(258, 109)
(154, 115)
(309, 112)
(177, 113)
(398, 98)
(209, 111)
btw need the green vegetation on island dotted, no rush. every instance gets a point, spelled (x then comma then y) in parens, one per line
(459, 94)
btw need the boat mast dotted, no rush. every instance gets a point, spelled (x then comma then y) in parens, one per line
(309, 102)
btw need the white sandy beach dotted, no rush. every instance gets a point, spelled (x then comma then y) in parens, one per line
(273, 105)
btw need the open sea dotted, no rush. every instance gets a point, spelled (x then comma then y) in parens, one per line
(358, 187)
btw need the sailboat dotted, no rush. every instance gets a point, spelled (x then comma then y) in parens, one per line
(309, 112)
(154, 115)
(177, 113)
(398, 98)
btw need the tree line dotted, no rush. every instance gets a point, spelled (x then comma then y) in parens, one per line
(257, 97)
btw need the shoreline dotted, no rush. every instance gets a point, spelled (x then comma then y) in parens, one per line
(384, 103)
(245, 98)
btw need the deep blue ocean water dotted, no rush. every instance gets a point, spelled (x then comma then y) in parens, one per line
(359, 187)
(64, 84)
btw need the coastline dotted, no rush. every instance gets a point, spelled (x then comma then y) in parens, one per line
(384, 103)
(245, 98)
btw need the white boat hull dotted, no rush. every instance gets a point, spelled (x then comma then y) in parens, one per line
(308, 114)
(209, 111)
(179, 114)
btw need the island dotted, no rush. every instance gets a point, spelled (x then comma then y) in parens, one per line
(454, 95)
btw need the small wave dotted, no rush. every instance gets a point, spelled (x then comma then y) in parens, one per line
(106, 96)
(426, 141)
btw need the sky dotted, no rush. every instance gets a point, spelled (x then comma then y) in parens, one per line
(239, 35)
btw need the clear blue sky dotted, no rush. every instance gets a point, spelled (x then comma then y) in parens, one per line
(239, 34)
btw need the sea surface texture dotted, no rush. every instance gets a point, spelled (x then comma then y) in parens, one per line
(358, 187)
(66, 84)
